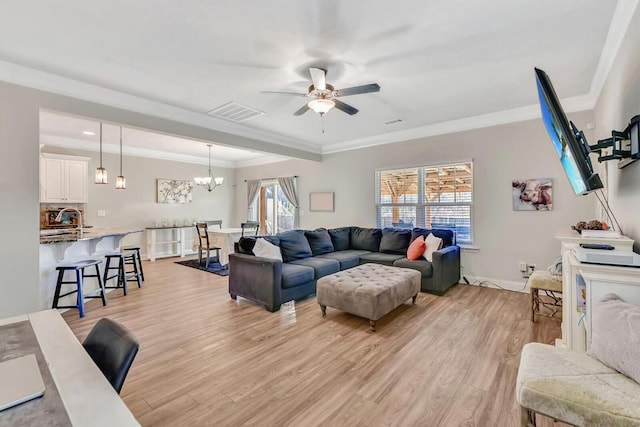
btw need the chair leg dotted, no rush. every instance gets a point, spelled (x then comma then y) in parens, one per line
(533, 305)
(79, 274)
(208, 256)
(56, 295)
(122, 277)
(140, 265)
(136, 271)
(103, 295)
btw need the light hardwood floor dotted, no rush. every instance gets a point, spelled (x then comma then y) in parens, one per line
(206, 359)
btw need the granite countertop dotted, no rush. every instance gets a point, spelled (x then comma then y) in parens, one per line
(71, 235)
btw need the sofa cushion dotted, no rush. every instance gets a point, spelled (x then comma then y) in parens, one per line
(395, 241)
(448, 237)
(296, 275)
(321, 266)
(347, 259)
(615, 335)
(366, 239)
(416, 248)
(294, 245)
(379, 258)
(246, 244)
(422, 265)
(319, 241)
(340, 238)
(433, 244)
(263, 248)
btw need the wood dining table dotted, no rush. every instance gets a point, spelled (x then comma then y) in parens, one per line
(223, 238)
(76, 392)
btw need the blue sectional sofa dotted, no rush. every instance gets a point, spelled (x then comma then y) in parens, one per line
(308, 255)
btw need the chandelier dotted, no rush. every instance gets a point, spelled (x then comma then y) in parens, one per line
(209, 182)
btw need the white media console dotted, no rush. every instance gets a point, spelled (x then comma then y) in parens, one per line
(583, 283)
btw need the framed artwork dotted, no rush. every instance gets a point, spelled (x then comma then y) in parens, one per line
(175, 191)
(535, 194)
(321, 202)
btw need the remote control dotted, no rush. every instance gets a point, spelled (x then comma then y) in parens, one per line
(596, 246)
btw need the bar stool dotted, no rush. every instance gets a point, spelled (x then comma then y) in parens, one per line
(80, 274)
(120, 261)
(542, 280)
(137, 250)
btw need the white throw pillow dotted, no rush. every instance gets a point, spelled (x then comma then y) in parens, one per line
(615, 335)
(266, 249)
(433, 244)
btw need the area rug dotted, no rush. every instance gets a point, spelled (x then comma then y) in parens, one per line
(214, 267)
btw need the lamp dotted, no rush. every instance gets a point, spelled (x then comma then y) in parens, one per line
(121, 181)
(209, 182)
(101, 173)
(321, 105)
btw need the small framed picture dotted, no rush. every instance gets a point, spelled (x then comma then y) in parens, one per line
(534, 194)
(321, 202)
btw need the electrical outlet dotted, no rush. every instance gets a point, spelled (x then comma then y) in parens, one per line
(102, 212)
(523, 266)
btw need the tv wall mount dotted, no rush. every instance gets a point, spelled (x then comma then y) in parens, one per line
(624, 144)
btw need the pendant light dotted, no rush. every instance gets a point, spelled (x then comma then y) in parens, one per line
(101, 173)
(121, 181)
(209, 182)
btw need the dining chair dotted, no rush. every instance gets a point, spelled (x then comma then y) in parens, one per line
(249, 226)
(112, 347)
(202, 230)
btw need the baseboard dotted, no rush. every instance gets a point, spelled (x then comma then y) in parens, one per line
(509, 285)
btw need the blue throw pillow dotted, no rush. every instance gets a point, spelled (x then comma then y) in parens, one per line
(246, 244)
(340, 238)
(320, 241)
(395, 241)
(367, 239)
(294, 245)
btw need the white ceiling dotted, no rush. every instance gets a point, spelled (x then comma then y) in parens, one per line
(439, 63)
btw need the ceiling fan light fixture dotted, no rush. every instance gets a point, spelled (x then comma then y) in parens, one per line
(321, 105)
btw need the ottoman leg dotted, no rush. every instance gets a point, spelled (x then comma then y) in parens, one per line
(413, 301)
(324, 310)
(372, 323)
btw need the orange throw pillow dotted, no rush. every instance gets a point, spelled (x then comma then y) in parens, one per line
(416, 248)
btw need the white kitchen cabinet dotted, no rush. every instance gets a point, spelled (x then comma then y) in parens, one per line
(63, 179)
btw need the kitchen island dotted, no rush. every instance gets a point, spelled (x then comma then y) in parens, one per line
(65, 246)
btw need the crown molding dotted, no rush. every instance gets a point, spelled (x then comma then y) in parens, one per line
(29, 77)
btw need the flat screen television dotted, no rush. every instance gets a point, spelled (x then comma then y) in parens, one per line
(570, 143)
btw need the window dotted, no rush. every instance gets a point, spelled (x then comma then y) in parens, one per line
(427, 196)
(274, 211)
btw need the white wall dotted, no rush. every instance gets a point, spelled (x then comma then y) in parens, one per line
(136, 207)
(618, 102)
(500, 154)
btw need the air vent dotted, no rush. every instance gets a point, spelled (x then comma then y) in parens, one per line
(235, 112)
(393, 122)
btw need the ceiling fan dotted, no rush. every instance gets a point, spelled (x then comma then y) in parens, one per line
(325, 95)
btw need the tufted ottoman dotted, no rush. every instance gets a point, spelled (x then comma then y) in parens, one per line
(368, 290)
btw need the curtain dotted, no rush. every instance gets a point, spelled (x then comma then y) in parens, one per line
(288, 186)
(253, 186)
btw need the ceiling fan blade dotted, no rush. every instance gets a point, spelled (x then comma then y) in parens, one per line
(345, 107)
(302, 110)
(318, 76)
(284, 93)
(373, 87)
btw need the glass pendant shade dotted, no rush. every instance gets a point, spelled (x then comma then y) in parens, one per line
(209, 182)
(121, 181)
(101, 173)
(321, 105)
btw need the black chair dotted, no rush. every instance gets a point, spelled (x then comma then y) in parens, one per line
(112, 348)
(120, 261)
(137, 251)
(202, 230)
(249, 226)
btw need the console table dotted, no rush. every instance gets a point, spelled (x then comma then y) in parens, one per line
(179, 240)
(597, 281)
